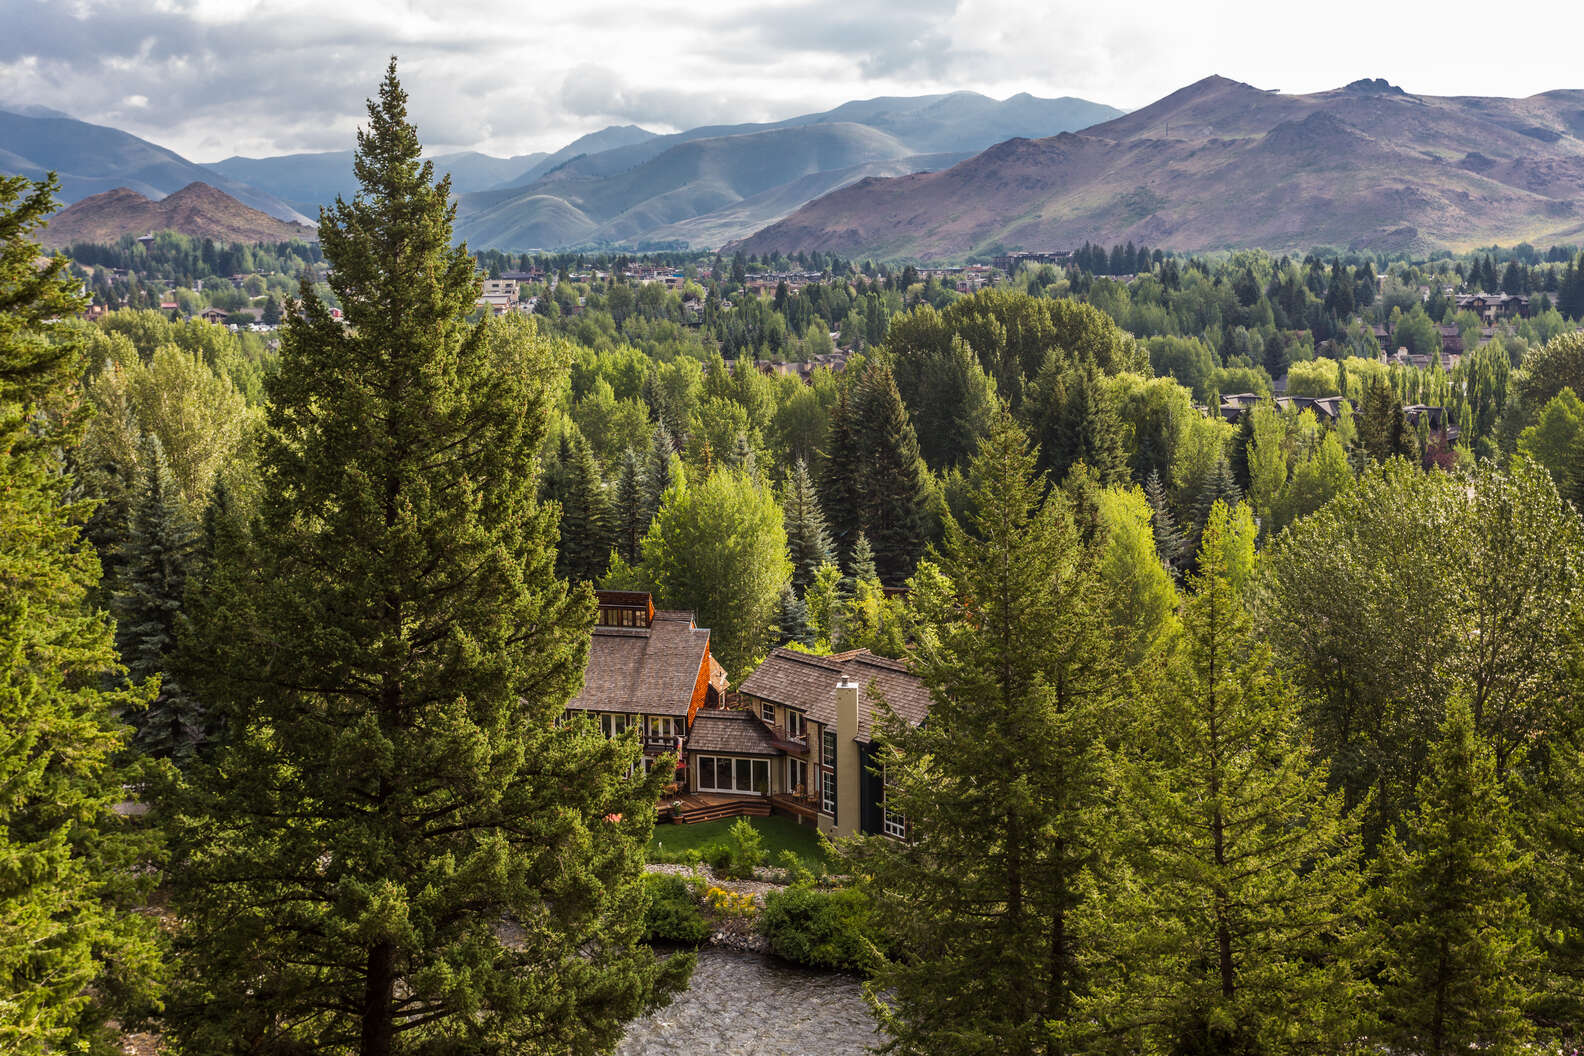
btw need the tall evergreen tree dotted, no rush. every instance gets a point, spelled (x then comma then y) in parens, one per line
(628, 514)
(792, 623)
(1383, 430)
(1454, 924)
(1218, 486)
(1238, 930)
(891, 496)
(657, 471)
(841, 476)
(808, 541)
(403, 847)
(70, 951)
(1168, 541)
(148, 606)
(1004, 787)
(586, 521)
(1075, 422)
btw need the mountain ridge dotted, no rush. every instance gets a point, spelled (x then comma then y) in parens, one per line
(1220, 164)
(198, 210)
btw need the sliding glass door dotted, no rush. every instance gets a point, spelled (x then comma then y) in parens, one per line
(718, 773)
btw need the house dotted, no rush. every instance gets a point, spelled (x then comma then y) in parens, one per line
(648, 669)
(213, 315)
(806, 739)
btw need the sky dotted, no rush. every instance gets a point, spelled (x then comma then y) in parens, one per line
(214, 78)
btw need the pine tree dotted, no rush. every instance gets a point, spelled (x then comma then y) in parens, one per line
(586, 531)
(148, 606)
(403, 846)
(1218, 486)
(1238, 931)
(1168, 541)
(862, 567)
(71, 954)
(841, 476)
(629, 515)
(1076, 423)
(1453, 921)
(1004, 785)
(891, 496)
(808, 542)
(792, 622)
(657, 471)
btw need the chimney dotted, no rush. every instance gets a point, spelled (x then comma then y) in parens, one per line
(849, 767)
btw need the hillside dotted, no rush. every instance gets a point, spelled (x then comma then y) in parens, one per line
(1221, 164)
(308, 181)
(198, 210)
(92, 159)
(710, 184)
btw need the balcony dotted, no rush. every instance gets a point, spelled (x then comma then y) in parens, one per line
(796, 805)
(786, 741)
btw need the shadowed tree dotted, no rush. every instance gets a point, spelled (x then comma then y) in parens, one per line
(403, 846)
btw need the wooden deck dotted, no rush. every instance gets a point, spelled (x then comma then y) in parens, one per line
(710, 806)
(799, 807)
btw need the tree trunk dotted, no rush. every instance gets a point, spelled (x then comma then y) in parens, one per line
(379, 1030)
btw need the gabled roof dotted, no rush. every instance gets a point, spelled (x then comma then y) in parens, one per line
(644, 670)
(733, 732)
(808, 683)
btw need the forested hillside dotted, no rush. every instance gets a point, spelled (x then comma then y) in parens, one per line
(1254, 726)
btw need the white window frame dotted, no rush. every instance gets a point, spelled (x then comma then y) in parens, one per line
(663, 728)
(796, 723)
(731, 761)
(794, 766)
(767, 711)
(894, 823)
(828, 793)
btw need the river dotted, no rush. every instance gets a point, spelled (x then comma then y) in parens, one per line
(748, 1004)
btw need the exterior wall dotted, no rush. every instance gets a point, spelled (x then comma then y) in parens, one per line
(700, 687)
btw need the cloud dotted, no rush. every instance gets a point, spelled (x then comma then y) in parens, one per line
(210, 78)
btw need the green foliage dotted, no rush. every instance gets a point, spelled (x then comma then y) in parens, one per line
(808, 541)
(1347, 593)
(148, 605)
(737, 856)
(395, 660)
(1453, 921)
(1143, 603)
(874, 480)
(820, 929)
(72, 955)
(673, 913)
(1235, 929)
(718, 550)
(1554, 440)
(1006, 844)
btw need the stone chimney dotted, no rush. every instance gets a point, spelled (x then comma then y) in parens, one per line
(849, 768)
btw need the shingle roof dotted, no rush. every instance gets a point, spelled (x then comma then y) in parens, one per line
(649, 670)
(733, 732)
(808, 683)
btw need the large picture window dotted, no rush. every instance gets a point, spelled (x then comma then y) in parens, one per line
(664, 728)
(721, 774)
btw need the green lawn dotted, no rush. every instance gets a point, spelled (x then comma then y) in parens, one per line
(779, 834)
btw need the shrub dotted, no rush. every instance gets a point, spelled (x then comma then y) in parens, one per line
(740, 854)
(822, 929)
(673, 914)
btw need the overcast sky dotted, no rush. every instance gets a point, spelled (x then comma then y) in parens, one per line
(212, 78)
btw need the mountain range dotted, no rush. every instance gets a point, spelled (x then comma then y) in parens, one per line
(622, 185)
(197, 209)
(1221, 164)
(91, 159)
(707, 185)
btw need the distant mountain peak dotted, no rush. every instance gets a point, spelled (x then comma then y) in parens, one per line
(198, 210)
(1377, 86)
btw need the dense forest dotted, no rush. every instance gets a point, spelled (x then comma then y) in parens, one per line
(1250, 735)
